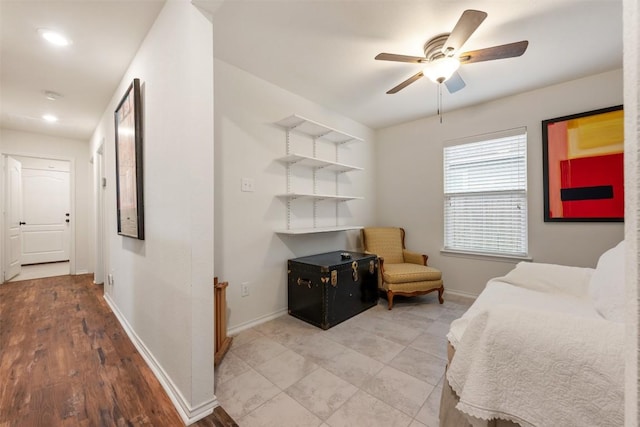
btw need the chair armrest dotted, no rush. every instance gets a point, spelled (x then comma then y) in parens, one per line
(414, 257)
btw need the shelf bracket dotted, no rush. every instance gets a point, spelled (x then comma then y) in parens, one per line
(315, 214)
(288, 181)
(315, 184)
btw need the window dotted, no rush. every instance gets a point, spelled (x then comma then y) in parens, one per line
(485, 192)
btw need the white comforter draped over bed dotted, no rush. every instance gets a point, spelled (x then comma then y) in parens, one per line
(539, 361)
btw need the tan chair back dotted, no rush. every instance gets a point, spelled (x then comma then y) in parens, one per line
(386, 242)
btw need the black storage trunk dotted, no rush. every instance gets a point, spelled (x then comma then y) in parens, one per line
(327, 289)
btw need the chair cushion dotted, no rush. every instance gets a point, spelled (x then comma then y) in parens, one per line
(386, 242)
(411, 287)
(403, 273)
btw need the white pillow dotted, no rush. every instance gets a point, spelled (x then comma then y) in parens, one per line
(550, 278)
(607, 284)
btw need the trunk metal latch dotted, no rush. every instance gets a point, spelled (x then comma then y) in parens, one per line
(302, 282)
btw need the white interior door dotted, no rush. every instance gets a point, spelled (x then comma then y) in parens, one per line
(13, 221)
(46, 214)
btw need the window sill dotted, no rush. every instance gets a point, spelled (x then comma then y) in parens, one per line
(491, 257)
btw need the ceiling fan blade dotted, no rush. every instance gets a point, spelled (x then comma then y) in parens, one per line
(405, 83)
(400, 58)
(454, 83)
(509, 50)
(467, 24)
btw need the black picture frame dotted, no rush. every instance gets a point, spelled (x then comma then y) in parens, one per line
(596, 192)
(129, 163)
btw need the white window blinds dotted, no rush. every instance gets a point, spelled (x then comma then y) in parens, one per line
(485, 190)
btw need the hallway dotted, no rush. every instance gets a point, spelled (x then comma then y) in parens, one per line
(66, 360)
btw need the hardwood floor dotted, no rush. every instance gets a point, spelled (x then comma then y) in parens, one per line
(66, 361)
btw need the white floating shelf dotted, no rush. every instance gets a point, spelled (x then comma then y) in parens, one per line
(318, 197)
(316, 130)
(299, 159)
(319, 229)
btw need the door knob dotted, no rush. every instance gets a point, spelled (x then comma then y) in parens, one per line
(22, 223)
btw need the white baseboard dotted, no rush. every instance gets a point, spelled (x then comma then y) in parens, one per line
(255, 322)
(78, 272)
(188, 413)
(462, 294)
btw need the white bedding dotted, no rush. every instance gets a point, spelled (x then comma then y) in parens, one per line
(540, 368)
(533, 349)
(499, 292)
(539, 286)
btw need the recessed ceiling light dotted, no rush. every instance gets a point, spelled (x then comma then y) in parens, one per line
(51, 95)
(54, 37)
(50, 118)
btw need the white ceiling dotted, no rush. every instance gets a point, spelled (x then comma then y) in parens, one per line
(324, 50)
(321, 50)
(105, 37)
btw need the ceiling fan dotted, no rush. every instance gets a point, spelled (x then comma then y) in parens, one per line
(441, 58)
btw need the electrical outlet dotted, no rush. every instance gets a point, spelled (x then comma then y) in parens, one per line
(247, 184)
(110, 279)
(244, 289)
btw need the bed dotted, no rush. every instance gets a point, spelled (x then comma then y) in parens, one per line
(541, 346)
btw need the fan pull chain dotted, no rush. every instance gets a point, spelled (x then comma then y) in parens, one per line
(440, 102)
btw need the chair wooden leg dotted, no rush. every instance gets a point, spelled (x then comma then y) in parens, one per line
(390, 299)
(440, 292)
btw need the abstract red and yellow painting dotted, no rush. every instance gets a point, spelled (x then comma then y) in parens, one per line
(584, 167)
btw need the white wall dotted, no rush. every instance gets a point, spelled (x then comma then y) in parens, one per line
(163, 286)
(39, 145)
(247, 144)
(632, 225)
(410, 179)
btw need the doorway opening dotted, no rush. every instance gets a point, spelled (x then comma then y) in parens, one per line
(100, 181)
(39, 226)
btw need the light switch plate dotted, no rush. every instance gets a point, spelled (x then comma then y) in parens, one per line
(247, 185)
(244, 289)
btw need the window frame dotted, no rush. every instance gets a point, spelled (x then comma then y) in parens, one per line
(520, 143)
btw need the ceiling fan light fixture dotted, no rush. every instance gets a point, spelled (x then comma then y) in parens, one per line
(54, 37)
(441, 69)
(49, 118)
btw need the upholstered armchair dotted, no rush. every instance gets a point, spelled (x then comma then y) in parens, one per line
(402, 272)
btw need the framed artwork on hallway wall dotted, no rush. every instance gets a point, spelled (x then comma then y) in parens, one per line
(129, 185)
(583, 170)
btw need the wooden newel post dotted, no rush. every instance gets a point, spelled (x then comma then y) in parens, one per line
(222, 341)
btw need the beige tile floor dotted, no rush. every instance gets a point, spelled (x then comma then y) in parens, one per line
(380, 368)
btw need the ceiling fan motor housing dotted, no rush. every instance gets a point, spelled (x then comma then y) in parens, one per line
(433, 47)
(439, 65)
